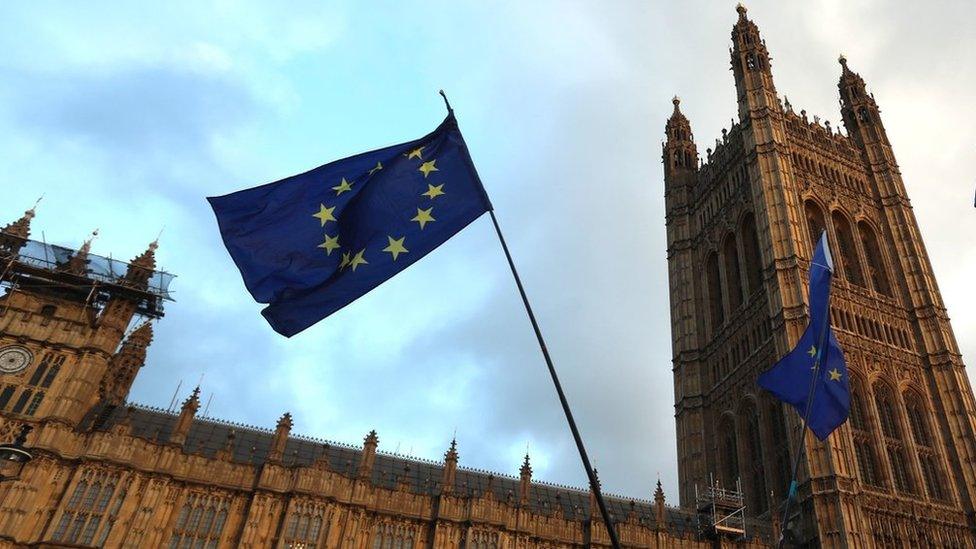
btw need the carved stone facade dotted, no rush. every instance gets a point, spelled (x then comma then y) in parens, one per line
(107, 473)
(741, 227)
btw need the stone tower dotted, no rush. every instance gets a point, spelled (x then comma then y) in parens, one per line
(741, 226)
(64, 314)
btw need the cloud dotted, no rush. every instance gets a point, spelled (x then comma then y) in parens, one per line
(127, 121)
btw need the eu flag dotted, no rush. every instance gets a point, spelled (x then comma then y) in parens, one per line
(312, 243)
(816, 365)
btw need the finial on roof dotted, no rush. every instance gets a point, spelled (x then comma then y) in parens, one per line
(285, 421)
(741, 9)
(526, 469)
(842, 59)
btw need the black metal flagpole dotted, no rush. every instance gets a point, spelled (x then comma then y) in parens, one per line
(822, 349)
(594, 484)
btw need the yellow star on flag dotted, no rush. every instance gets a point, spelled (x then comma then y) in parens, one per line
(378, 167)
(331, 243)
(423, 217)
(325, 214)
(433, 191)
(358, 260)
(813, 351)
(342, 187)
(416, 153)
(428, 167)
(396, 246)
(835, 375)
(345, 260)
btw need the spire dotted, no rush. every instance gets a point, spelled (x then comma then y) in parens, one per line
(861, 115)
(525, 480)
(14, 235)
(185, 420)
(369, 455)
(659, 515)
(680, 157)
(78, 262)
(143, 265)
(125, 364)
(450, 468)
(282, 430)
(751, 68)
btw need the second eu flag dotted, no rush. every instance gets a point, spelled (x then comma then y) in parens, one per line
(310, 244)
(817, 361)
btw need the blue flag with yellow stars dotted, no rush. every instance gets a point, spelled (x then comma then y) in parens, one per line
(312, 243)
(791, 378)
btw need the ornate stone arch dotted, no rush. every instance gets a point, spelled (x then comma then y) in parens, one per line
(877, 266)
(713, 284)
(733, 271)
(751, 252)
(889, 421)
(924, 438)
(728, 445)
(816, 220)
(865, 447)
(846, 249)
(752, 460)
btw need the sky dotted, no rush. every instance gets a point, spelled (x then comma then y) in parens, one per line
(126, 115)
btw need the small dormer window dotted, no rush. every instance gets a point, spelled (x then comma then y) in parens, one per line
(751, 62)
(47, 314)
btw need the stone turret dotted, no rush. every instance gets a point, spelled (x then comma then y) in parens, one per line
(525, 481)
(450, 468)
(280, 438)
(369, 455)
(125, 364)
(14, 235)
(659, 514)
(142, 266)
(187, 412)
(78, 263)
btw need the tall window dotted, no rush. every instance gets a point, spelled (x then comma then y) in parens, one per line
(927, 457)
(867, 459)
(847, 250)
(387, 535)
(714, 291)
(733, 278)
(750, 245)
(200, 522)
(894, 444)
(91, 510)
(483, 539)
(307, 524)
(730, 453)
(756, 483)
(780, 442)
(815, 223)
(876, 265)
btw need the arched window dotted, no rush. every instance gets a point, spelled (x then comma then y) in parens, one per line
(392, 536)
(877, 271)
(750, 245)
(780, 442)
(733, 278)
(815, 223)
(714, 291)
(87, 512)
(730, 454)
(755, 483)
(928, 459)
(305, 526)
(864, 450)
(894, 444)
(847, 250)
(201, 521)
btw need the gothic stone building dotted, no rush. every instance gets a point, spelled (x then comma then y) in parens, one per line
(741, 227)
(106, 473)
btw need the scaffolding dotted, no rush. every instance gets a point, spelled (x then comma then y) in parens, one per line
(42, 267)
(721, 512)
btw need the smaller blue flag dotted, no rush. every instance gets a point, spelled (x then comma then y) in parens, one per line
(790, 379)
(312, 243)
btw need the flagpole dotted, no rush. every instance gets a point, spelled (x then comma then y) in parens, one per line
(821, 356)
(594, 485)
(590, 474)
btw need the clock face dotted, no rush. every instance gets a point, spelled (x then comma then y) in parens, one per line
(14, 359)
